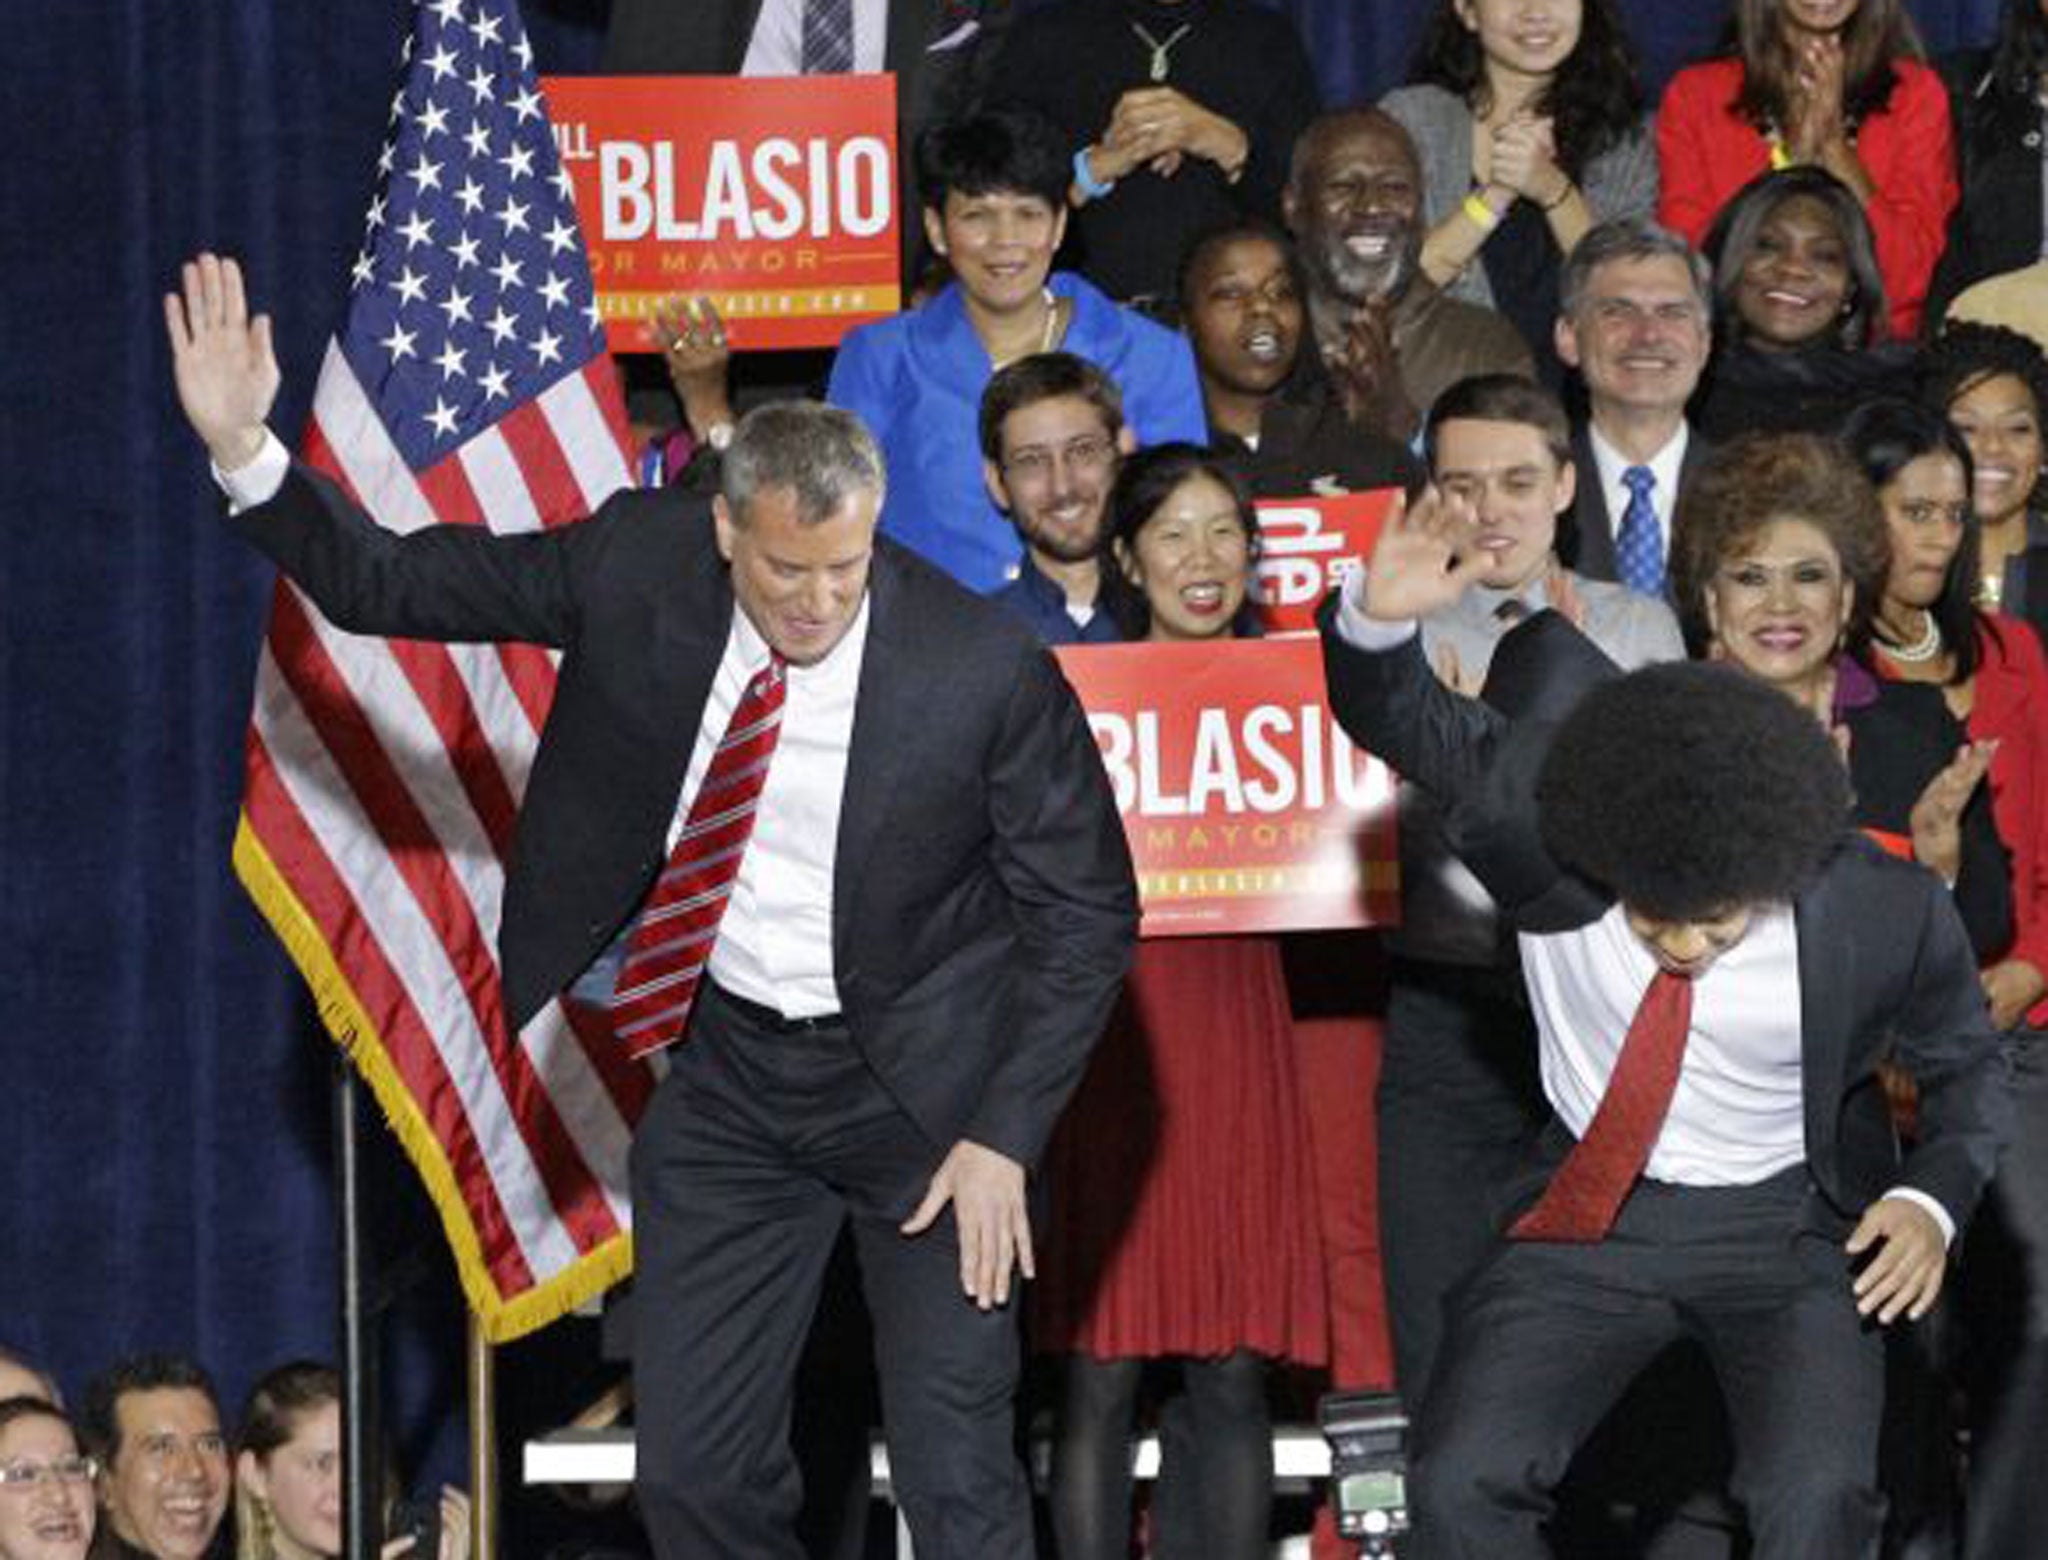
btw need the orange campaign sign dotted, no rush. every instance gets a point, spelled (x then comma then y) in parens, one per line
(774, 196)
(1247, 809)
(1310, 545)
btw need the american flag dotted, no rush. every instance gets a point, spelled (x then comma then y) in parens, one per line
(467, 386)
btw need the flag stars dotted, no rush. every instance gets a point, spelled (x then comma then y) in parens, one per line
(456, 307)
(362, 273)
(478, 139)
(526, 104)
(513, 215)
(450, 11)
(417, 229)
(555, 291)
(425, 175)
(399, 343)
(471, 196)
(507, 273)
(411, 287)
(433, 121)
(501, 325)
(374, 217)
(518, 162)
(481, 84)
(486, 28)
(385, 155)
(523, 52)
(441, 62)
(450, 362)
(561, 181)
(560, 236)
(441, 418)
(547, 347)
(464, 251)
(493, 381)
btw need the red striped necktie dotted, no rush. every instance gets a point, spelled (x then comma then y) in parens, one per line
(1583, 1197)
(666, 954)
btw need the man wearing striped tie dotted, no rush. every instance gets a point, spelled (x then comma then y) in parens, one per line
(851, 842)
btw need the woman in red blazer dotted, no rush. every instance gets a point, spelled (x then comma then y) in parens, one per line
(1836, 83)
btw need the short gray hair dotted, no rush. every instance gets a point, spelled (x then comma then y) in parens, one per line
(823, 453)
(1630, 238)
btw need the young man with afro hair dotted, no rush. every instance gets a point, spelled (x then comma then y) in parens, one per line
(1716, 964)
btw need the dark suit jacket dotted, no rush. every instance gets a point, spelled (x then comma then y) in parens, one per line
(1585, 541)
(1884, 965)
(983, 903)
(940, 52)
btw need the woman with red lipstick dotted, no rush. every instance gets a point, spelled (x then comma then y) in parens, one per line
(1779, 562)
(1831, 84)
(1183, 1213)
(1528, 120)
(1988, 671)
(1799, 310)
(46, 1486)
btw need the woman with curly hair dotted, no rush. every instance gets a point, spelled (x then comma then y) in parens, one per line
(1780, 562)
(1833, 84)
(1528, 121)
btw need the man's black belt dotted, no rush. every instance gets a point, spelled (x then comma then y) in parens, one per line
(773, 1022)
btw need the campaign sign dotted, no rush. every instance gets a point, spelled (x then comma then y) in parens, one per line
(1246, 807)
(1310, 545)
(773, 196)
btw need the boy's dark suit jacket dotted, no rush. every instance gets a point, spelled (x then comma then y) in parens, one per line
(1884, 966)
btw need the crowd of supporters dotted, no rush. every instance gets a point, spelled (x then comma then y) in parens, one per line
(147, 1467)
(1755, 372)
(1743, 372)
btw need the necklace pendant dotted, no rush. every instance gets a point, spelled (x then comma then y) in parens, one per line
(1159, 63)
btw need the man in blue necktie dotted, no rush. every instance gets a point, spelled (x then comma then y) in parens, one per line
(1634, 320)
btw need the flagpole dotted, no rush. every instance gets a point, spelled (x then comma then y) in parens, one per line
(362, 1522)
(483, 1443)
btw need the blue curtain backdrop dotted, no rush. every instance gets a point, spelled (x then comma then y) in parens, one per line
(163, 1129)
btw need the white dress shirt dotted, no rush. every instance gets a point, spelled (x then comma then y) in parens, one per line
(774, 945)
(1737, 1115)
(777, 47)
(1667, 465)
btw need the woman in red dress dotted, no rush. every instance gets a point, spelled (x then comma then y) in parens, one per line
(1183, 1214)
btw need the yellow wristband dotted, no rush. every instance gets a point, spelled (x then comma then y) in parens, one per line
(1484, 217)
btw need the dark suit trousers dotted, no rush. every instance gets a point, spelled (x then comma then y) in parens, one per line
(759, 1145)
(1547, 1337)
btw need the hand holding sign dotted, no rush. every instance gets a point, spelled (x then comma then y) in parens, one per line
(1424, 558)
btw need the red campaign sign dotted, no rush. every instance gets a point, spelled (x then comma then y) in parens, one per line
(1310, 545)
(1246, 807)
(774, 196)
